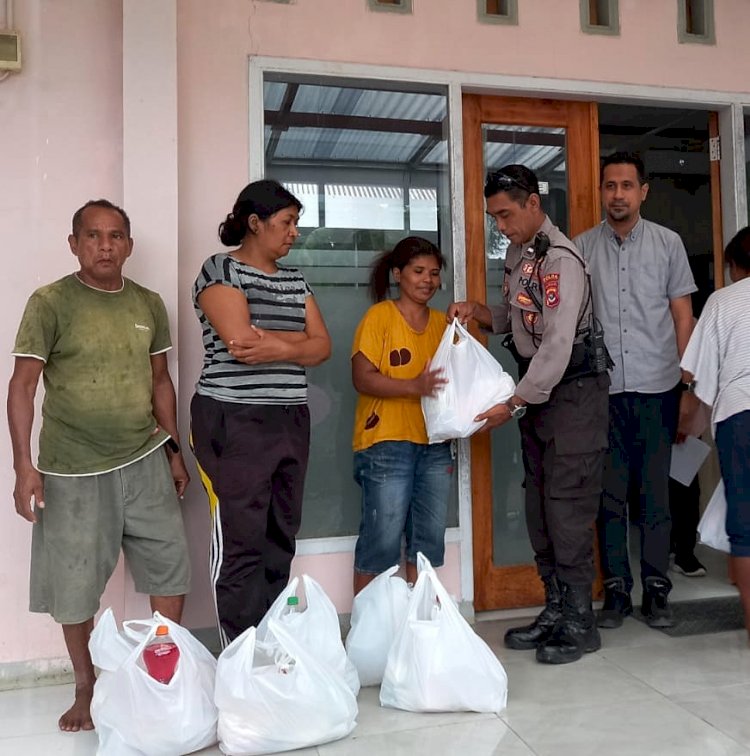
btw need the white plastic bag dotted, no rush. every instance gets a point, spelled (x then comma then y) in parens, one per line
(278, 696)
(134, 714)
(317, 627)
(712, 529)
(476, 382)
(377, 614)
(437, 662)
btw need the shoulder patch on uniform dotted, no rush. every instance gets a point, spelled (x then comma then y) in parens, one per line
(523, 299)
(527, 268)
(552, 289)
(531, 317)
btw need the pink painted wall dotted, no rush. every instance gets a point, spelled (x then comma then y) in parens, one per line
(444, 34)
(61, 144)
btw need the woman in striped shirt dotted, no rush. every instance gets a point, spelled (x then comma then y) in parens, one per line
(249, 417)
(718, 359)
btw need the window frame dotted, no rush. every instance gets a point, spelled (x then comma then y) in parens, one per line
(686, 37)
(612, 29)
(508, 19)
(404, 7)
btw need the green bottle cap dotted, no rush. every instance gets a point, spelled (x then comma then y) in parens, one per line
(292, 601)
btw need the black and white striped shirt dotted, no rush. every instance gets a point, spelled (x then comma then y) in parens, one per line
(276, 302)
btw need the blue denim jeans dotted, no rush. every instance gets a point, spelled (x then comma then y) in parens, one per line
(733, 445)
(405, 490)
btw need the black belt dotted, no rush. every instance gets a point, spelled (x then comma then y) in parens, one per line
(579, 366)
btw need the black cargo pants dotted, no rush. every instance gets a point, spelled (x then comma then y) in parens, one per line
(564, 442)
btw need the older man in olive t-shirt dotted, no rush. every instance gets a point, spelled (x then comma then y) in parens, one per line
(104, 478)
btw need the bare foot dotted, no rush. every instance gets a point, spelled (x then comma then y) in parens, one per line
(78, 716)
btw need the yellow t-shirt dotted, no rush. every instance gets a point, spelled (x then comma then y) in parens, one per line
(397, 351)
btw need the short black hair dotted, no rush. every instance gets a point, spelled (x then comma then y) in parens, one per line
(518, 181)
(738, 249)
(624, 158)
(103, 203)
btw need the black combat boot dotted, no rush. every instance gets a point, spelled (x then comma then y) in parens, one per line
(655, 607)
(575, 634)
(530, 636)
(617, 604)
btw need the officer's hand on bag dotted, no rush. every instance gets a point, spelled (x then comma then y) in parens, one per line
(495, 417)
(466, 311)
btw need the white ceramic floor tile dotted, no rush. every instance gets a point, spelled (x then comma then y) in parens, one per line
(688, 664)
(374, 718)
(50, 744)
(33, 710)
(726, 708)
(592, 680)
(486, 737)
(656, 728)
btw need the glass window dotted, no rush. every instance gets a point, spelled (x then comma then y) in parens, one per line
(399, 6)
(695, 21)
(498, 11)
(369, 161)
(600, 16)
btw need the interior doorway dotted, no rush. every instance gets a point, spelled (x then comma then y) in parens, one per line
(681, 153)
(684, 193)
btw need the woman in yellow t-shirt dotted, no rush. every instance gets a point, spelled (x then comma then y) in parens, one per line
(405, 481)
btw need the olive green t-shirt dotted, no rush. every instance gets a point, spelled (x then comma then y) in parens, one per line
(97, 413)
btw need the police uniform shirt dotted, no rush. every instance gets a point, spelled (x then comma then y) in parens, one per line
(633, 281)
(558, 281)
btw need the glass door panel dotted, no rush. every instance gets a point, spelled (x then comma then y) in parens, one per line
(559, 140)
(543, 150)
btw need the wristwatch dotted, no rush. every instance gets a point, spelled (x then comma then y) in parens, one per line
(689, 386)
(516, 410)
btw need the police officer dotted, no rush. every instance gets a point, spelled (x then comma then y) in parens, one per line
(560, 402)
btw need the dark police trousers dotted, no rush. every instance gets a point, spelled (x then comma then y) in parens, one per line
(564, 442)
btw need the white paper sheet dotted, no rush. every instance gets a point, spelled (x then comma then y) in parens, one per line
(687, 459)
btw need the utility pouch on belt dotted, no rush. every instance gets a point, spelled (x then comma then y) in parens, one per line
(590, 356)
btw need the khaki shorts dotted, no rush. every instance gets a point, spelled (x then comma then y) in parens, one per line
(86, 519)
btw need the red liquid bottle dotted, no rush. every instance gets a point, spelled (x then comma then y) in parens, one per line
(161, 655)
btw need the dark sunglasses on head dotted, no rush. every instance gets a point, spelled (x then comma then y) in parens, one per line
(504, 182)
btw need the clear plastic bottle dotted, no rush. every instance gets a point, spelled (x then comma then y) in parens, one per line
(285, 663)
(161, 656)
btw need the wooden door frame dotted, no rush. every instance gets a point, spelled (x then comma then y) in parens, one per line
(520, 585)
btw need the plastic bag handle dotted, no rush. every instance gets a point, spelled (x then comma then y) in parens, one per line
(461, 331)
(427, 573)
